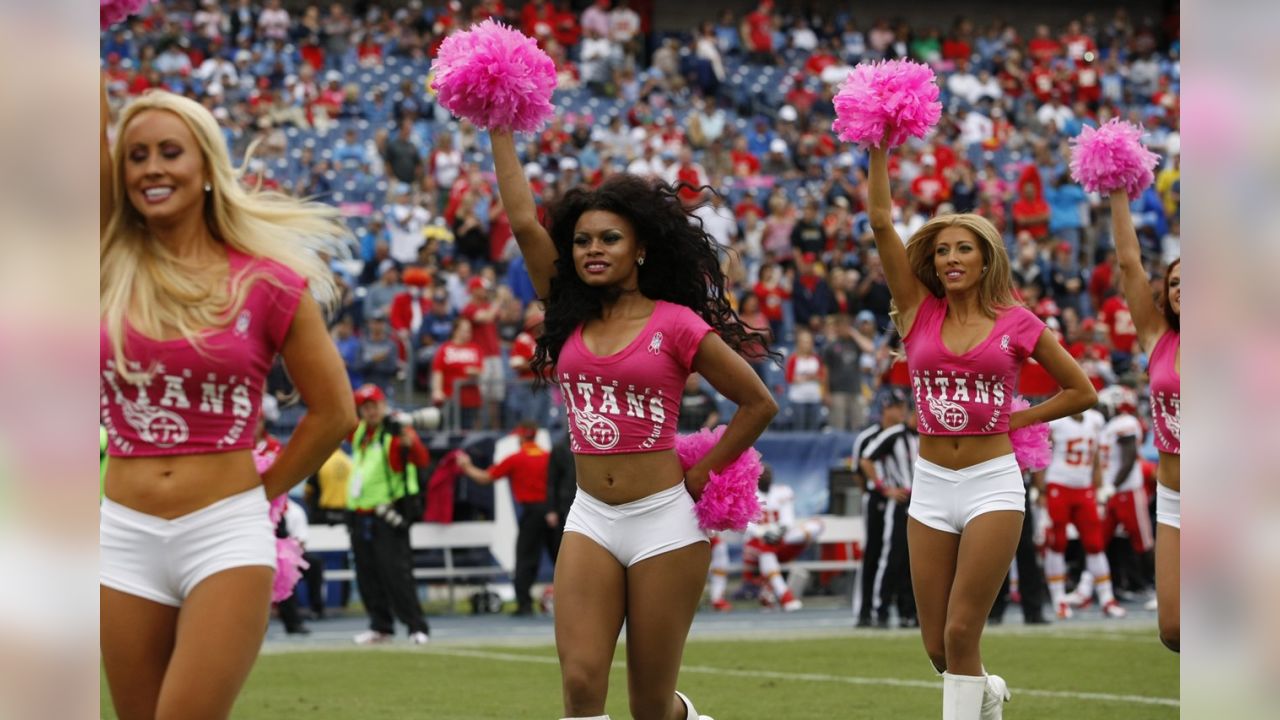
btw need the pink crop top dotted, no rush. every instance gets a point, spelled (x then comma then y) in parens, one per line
(967, 394)
(1166, 392)
(207, 399)
(630, 401)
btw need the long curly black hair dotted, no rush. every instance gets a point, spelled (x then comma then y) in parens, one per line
(681, 265)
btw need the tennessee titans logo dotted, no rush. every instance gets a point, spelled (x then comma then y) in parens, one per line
(157, 426)
(655, 344)
(242, 322)
(950, 415)
(1004, 343)
(598, 430)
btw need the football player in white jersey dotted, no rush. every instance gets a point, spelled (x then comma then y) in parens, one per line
(776, 537)
(1128, 505)
(1072, 478)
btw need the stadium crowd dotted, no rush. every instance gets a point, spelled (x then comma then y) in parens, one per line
(334, 103)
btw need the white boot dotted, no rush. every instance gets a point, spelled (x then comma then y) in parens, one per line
(693, 714)
(962, 696)
(994, 696)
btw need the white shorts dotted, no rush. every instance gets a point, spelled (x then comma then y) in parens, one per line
(640, 529)
(1168, 507)
(163, 560)
(947, 500)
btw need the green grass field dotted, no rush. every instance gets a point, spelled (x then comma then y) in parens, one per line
(1078, 675)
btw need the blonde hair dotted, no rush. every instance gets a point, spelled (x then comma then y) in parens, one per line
(995, 290)
(142, 279)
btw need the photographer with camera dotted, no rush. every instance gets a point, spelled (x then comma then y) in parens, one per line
(384, 501)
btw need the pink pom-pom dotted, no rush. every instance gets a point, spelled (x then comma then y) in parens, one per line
(1030, 443)
(111, 12)
(278, 506)
(899, 97)
(729, 499)
(1112, 158)
(496, 77)
(289, 567)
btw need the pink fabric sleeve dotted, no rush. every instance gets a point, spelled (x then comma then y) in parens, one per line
(1027, 329)
(929, 307)
(281, 302)
(689, 329)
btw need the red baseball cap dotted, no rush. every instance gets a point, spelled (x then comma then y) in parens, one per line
(477, 283)
(368, 393)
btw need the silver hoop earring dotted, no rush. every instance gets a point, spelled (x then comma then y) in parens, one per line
(640, 260)
(984, 269)
(208, 187)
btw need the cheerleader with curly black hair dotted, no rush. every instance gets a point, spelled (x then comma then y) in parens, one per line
(635, 301)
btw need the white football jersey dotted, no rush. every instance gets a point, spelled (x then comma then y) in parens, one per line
(1075, 444)
(1120, 426)
(777, 510)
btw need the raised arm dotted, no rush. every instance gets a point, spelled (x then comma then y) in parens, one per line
(105, 178)
(1133, 276)
(534, 241)
(907, 290)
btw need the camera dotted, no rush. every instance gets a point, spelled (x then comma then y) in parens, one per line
(387, 513)
(422, 419)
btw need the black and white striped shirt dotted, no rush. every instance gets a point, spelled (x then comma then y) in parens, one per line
(896, 449)
(859, 445)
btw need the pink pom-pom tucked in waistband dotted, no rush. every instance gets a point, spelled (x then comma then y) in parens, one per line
(1030, 443)
(729, 500)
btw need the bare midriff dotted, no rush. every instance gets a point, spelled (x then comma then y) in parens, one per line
(1169, 472)
(618, 479)
(170, 486)
(961, 451)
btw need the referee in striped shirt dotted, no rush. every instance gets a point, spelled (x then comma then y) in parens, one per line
(866, 595)
(888, 462)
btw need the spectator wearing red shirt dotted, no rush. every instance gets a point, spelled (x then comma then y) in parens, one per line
(408, 308)
(1093, 356)
(1031, 212)
(772, 294)
(930, 187)
(458, 359)
(1116, 319)
(527, 470)
(757, 34)
(745, 164)
(1102, 279)
(483, 314)
(1043, 47)
(567, 30)
(538, 20)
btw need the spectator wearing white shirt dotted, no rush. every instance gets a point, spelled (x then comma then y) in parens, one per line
(803, 37)
(273, 22)
(217, 71)
(963, 84)
(405, 222)
(173, 61)
(595, 19)
(718, 221)
(624, 29)
(974, 127)
(1054, 114)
